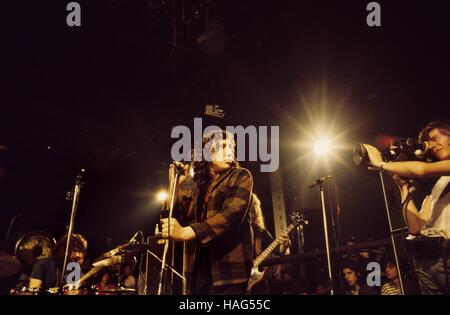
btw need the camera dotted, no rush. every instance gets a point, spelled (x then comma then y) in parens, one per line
(400, 149)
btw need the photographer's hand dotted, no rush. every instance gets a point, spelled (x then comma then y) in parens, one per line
(400, 181)
(374, 155)
(409, 169)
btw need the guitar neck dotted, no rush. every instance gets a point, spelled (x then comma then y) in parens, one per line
(270, 249)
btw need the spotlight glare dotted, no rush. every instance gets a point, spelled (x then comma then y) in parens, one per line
(161, 196)
(322, 147)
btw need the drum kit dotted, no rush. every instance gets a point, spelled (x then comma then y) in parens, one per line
(11, 265)
(32, 247)
(85, 290)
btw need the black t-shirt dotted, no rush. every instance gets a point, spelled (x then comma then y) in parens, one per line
(45, 269)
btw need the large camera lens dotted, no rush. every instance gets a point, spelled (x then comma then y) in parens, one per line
(360, 156)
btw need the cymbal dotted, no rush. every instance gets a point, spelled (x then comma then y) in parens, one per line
(31, 246)
(9, 265)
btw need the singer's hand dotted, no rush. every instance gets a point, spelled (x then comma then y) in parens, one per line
(177, 232)
(374, 155)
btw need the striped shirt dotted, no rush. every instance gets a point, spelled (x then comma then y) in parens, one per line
(390, 289)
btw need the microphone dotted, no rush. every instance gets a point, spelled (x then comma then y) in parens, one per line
(319, 181)
(180, 167)
(133, 239)
(178, 164)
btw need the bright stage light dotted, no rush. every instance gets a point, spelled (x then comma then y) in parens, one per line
(161, 196)
(322, 147)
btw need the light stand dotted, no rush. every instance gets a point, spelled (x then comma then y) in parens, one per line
(392, 232)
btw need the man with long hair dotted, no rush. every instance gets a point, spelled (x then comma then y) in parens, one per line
(262, 238)
(354, 280)
(261, 234)
(213, 207)
(47, 271)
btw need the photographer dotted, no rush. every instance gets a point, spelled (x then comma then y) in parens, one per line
(431, 224)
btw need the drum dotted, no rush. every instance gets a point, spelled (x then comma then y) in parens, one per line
(77, 290)
(116, 291)
(30, 291)
(9, 265)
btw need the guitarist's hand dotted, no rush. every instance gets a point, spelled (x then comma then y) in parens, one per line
(285, 243)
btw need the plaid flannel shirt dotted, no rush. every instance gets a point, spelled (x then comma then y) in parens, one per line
(225, 230)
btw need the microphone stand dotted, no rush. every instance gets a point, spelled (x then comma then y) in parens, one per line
(75, 198)
(174, 173)
(146, 268)
(325, 229)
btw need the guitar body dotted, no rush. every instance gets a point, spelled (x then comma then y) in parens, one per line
(256, 277)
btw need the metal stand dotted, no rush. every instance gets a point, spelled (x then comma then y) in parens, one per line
(146, 269)
(149, 252)
(325, 229)
(174, 173)
(75, 198)
(145, 277)
(392, 233)
(300, 239)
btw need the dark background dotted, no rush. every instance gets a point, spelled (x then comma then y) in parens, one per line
(106, 95)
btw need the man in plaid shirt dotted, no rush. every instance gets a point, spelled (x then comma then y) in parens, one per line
(213, 209)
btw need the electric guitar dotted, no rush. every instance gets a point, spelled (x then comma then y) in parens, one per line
(256, 275)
